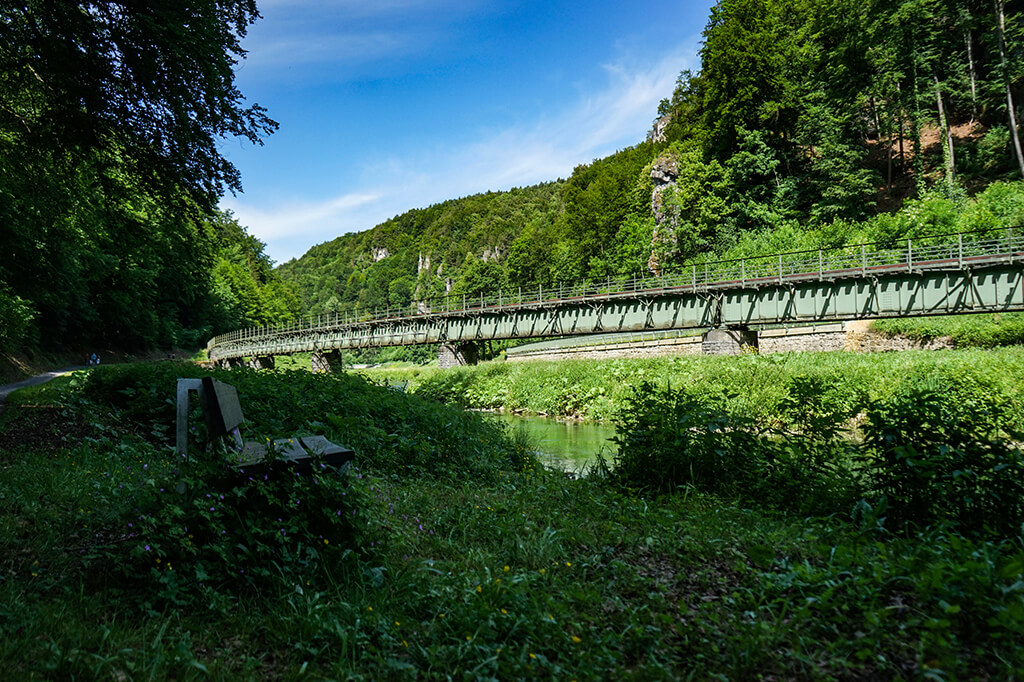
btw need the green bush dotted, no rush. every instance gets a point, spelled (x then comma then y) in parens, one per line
(939, 453)
(207, 531)
(16, 317)
(391, 432)
(669, 439)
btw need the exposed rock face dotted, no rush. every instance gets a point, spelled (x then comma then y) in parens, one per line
(491, 255)
(664, 173)
(657, 133)
(424, 264)
(379, 253)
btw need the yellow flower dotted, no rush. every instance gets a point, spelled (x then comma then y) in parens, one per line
(507, 569)
(576, 639)
(533, 655)
(479, 589)
(504, 612)
(369, 608)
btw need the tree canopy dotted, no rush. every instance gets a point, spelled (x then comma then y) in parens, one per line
(152, 80)
(110, 118)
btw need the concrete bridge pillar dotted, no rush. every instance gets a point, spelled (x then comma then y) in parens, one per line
(456, 355)
(725, 341)
(326, 361)
(262, 362)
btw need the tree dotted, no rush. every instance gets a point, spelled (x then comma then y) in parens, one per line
(1000, 9)
(153, 80)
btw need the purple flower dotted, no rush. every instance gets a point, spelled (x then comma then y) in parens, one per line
(147, 548)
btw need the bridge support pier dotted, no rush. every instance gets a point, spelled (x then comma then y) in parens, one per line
(231, 363)
(262, 362)
(326, 361)
(456, 355)
(724, 341)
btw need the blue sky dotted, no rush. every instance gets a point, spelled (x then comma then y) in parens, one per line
(390, 105)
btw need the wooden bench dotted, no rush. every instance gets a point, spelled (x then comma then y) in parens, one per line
(223, 416)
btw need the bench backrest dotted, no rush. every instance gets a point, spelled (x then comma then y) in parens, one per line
(221, 410)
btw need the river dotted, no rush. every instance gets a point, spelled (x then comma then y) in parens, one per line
(567, 445)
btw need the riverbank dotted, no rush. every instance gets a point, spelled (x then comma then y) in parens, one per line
(450, 553)
(760, 388)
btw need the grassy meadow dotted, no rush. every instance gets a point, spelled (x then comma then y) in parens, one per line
(739, 534)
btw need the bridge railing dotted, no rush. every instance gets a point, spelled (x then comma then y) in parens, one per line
(865, 260)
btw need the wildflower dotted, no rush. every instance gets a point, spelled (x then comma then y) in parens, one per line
(576, 640)
(507, 569)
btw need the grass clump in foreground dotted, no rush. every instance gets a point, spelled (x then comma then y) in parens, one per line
(464, 560)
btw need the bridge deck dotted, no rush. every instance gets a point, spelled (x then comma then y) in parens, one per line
(967, 272)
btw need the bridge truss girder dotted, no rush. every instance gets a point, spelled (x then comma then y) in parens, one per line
(998, 287)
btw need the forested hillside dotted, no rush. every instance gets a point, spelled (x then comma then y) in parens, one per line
(110, 170)
(809, 122)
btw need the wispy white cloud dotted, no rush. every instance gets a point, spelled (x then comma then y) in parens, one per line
(294, 33)
(617, 116)
(301, 218)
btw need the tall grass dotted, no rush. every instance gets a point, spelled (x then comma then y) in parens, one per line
(465, 559)
(750, 386)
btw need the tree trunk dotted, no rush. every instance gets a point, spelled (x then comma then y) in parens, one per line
(899, 121)
(1001, 23)
(890, 132)
(915, 132)
(974, 76)
(944, 130)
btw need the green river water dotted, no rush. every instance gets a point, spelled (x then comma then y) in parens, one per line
(567, 445)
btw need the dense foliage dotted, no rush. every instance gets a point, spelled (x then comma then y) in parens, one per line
(485, 565)
(808, 124)
(110, 120)
(798, 391)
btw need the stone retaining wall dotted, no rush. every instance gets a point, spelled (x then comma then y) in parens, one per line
(802, 339)
(687, 345)
(842, 336)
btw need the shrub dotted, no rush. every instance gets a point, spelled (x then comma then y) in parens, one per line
(208, 532)
(673, 438)
(941, 455)
(16, 317)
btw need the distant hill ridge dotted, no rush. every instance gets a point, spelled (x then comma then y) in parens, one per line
(808, 124)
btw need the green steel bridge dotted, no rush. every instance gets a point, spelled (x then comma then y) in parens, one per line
(971, 272)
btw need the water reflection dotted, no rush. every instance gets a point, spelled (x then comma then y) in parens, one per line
(566, 445)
